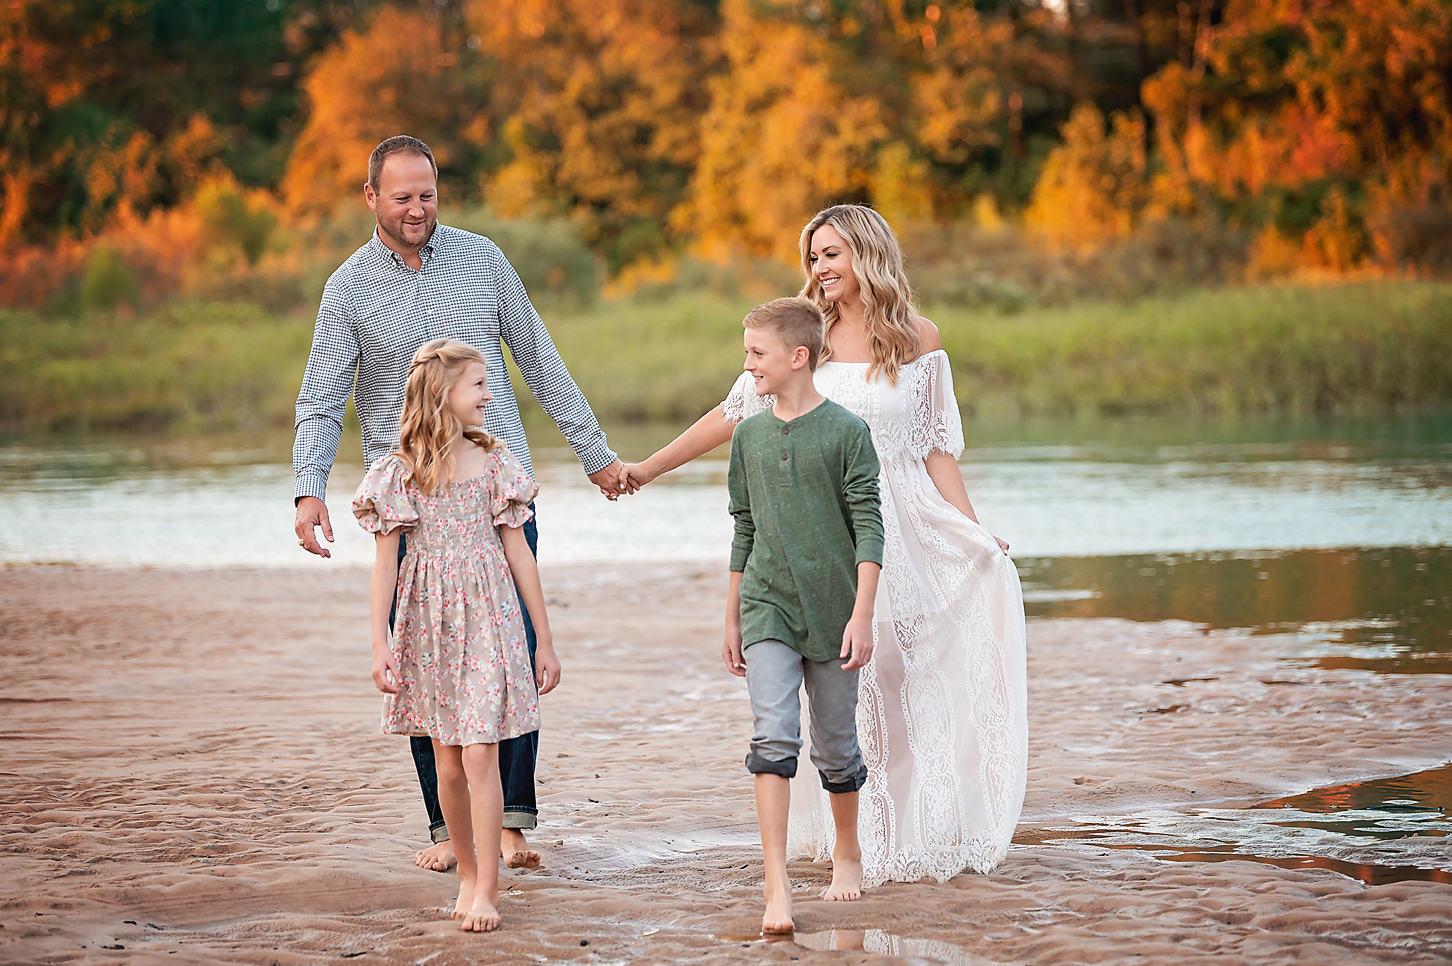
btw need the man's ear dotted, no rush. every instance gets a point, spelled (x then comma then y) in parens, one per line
(369, 196)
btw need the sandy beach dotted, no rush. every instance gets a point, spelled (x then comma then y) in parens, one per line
(192, 773)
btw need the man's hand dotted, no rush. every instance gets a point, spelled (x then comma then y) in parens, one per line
(857, 642)
(613, 481)
(312, 512)
(385, 670)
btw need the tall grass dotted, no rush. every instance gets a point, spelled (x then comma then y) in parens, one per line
(1372, 348)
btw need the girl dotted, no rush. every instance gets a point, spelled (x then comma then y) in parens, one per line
(458, 667)
(942, 707)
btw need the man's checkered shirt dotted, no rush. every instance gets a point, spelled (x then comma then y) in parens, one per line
(376, 312)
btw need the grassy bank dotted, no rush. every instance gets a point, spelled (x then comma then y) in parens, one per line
(1364, 349)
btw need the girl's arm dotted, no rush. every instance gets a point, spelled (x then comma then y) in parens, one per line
(944, 472)
(380, 601)
(705, 434)
(526, 577)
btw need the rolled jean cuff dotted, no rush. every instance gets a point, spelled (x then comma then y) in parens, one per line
(520, 819)
(758, 765)
(439, 833)
(852, 784)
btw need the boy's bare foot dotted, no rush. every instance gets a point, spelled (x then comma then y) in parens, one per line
(436, 858)
(515, 851)
(846, 881)
(481, 917)
(778, 918)
(465, 902)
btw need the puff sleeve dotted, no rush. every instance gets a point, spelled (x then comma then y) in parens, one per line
(936, 425)
(511, 489)
(743, 400)
(382, 503)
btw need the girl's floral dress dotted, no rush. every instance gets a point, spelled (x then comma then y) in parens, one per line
(458, 636)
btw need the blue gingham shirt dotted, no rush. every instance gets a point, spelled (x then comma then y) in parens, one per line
(376, 312)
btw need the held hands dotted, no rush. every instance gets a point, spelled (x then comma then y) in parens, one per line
(857, 642)
(547, 666)
(613, 481)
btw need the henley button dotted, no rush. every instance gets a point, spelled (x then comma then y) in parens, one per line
(786, 430)
(783, 456)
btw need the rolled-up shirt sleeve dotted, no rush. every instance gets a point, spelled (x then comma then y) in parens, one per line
(327, 383)
(545, 372)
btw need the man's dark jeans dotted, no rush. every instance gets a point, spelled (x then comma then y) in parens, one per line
(516, 755)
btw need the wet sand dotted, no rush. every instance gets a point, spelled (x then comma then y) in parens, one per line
(192, 773)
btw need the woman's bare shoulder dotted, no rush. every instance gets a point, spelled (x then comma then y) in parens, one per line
(931, 340)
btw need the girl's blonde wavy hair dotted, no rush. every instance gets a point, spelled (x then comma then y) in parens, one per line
(893, 336)
(427, 428)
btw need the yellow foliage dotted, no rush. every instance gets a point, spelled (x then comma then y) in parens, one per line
(782, 138)
(1094, 185)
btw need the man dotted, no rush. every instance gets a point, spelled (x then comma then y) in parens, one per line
(417, 280)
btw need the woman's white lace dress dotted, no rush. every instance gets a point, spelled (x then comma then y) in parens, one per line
(941, 715)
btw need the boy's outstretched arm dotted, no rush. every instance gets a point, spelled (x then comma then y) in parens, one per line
(731, 647)
(857, 638)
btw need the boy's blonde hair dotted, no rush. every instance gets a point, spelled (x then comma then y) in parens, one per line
(427, 427)
(893, 336)
(797, 321)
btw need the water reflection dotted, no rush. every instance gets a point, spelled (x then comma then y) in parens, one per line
(1392, 606)
(1379, 831)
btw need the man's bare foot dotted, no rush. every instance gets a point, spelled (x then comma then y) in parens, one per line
(515, 851)
(481, 917)
(436, 858)
(778, 918)
(465, 902)
(846, 881)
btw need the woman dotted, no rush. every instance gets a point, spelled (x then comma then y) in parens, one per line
(942, 713)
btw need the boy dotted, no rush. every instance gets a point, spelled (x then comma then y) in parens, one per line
(804, 567)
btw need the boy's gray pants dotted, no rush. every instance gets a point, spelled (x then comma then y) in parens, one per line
(774, 675)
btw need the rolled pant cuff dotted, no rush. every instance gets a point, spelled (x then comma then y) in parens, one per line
(852, 784)
(439, 833)
(520, 819)
(758, 765)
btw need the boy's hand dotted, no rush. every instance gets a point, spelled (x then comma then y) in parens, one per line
(731, 653)
(547, 666)
(857, 643)
(385, 671)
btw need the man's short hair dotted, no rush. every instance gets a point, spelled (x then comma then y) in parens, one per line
(398, 144)
(797, 321)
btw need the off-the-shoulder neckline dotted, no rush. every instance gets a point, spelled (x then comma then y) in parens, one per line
(834, 362)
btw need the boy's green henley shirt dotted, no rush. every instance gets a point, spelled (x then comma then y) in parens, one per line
(805, 500)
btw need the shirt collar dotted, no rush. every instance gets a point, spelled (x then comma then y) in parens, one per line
(432, 247)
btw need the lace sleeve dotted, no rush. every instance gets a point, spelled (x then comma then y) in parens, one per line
(743, 400)
(937, 426)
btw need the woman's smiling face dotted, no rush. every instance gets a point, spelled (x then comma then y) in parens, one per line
(831, 263)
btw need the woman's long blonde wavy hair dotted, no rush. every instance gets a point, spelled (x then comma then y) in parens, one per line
(893, 336)
(427, 428)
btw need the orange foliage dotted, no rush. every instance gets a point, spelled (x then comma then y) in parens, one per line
(392, 77)
(1094, 186)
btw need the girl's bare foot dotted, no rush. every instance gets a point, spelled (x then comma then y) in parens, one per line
(515, 851)
(465, 903)
(778, 918)
(482, 916)
(437, 858)
(846, 881)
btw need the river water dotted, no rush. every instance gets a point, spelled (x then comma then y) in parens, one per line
(1339, 532)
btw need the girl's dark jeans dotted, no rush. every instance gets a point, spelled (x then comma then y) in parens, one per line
(516, 755)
